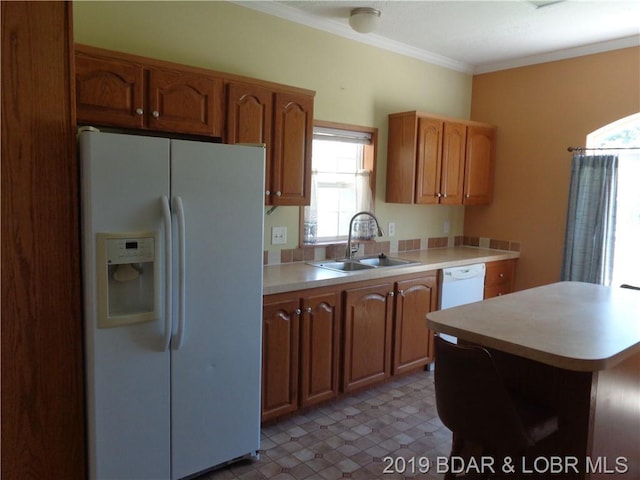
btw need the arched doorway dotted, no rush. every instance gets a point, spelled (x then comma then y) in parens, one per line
(624, 136)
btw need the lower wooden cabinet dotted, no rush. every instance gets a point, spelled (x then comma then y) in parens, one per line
(413, 341)
(499, 278)
(280, 344)
(319, 343)
(367, 335)
(320, 347)
(300, 350)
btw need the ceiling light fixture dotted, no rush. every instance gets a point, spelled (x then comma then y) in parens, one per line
(364, 19)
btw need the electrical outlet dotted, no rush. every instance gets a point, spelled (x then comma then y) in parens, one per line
(392, 229)
(278, 235)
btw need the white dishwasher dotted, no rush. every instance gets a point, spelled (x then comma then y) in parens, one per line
(461, 285)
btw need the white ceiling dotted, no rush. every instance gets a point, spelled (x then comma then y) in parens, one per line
(477, 36)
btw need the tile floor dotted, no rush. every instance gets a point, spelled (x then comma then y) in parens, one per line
(357, 436)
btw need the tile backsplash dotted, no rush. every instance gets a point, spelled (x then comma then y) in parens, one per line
(331, 251)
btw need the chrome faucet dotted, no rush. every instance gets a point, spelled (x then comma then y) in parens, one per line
(349, 252)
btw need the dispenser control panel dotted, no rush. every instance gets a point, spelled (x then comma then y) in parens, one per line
(128, 280)
(130, 250)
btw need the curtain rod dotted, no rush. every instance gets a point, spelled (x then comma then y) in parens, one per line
(582, 149)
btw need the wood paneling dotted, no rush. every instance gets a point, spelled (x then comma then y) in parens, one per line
(42, 387)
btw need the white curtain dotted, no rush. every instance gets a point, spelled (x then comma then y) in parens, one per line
(310, 226)
(591, 219)
(364, 227)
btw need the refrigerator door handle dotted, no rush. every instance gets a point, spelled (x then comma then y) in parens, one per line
(166, 216)
(179, 210)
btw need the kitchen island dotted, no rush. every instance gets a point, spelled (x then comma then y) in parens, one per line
(575, 347)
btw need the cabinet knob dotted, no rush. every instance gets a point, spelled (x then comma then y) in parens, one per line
(298, 311)
(308, 309)
(267, 193)
(392, 294)
(467, 195)
(445, 195)
(155, 114)
(501, 275)
(401, 293)
(278, 193)
(139, 111)
(438, 195)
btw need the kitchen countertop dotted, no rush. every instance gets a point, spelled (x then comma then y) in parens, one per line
(571, 325)
(289, 277)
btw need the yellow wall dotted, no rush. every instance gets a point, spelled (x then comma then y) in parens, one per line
(540, 110)
(355, 83)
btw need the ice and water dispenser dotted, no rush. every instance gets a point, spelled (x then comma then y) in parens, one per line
(128, 278)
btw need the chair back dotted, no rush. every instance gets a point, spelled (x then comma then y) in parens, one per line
(472, 400)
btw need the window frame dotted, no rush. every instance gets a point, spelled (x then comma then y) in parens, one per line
(369, 161)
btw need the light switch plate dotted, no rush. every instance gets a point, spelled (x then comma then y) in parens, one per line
(391, 230)
(278, 235)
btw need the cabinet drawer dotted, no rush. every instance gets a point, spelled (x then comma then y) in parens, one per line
(499, 273)
(497, 290)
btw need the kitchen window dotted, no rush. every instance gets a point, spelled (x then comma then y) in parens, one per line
(343, 181)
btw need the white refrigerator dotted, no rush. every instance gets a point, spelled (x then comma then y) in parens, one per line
(172, 266)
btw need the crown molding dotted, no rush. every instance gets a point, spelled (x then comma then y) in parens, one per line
(344, 30)
(341, 29)
(617, 44)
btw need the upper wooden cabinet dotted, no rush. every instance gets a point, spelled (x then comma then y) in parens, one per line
(184, 102)
(109, 92)
(284, 122)
(119, 90)
(440, 161)
(435, 160)
(478, 174)
(250, 120)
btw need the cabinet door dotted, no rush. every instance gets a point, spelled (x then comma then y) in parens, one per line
(280, 343)
(320, 349)
(249, 120)
(478, 177)
(453, 157)
(412, 345)
(367, 335)
(429, 160)
(292, 137)
(109, 92)
(185, 103)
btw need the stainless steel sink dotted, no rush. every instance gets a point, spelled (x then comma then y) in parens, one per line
(357, 264)
(343, 265)
(384, 261)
